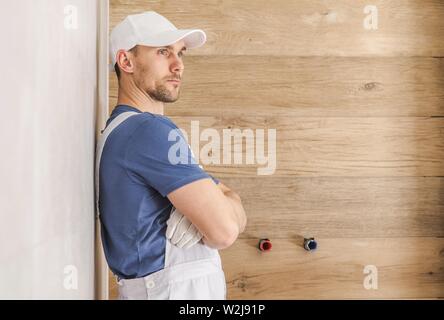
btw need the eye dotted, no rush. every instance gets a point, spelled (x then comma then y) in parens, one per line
(163, 50)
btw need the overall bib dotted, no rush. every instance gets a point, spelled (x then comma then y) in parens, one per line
(195, 273)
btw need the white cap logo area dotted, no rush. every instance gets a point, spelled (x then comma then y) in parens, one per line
(151, 29)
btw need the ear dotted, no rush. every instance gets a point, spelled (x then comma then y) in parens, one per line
(125, 61)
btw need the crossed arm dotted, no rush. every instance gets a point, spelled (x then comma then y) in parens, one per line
(215, 210)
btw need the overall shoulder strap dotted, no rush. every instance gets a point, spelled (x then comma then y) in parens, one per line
(99, 149)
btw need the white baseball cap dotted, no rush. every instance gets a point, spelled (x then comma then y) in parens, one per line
(150, 29)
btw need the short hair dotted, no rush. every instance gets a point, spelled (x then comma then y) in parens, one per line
(116, 66)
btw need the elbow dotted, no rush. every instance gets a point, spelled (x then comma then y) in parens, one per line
(229, 238)
(223, 241)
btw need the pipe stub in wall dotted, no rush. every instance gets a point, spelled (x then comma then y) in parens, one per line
(265, 245)
(310, 244)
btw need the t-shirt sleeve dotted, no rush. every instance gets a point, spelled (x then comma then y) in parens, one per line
(159, 155)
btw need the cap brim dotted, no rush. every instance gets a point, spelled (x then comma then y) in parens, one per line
(193, 38)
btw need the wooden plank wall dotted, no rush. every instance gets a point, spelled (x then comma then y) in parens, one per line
(360, 139)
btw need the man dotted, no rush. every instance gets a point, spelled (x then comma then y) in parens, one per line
(162, 221)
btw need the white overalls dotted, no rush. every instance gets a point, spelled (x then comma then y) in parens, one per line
(195, 273)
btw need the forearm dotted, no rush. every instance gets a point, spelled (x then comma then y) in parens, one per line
(239, 215)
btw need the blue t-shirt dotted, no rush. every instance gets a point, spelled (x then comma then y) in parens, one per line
(136, 175)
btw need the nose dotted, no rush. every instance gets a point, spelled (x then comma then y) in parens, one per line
(177, 65)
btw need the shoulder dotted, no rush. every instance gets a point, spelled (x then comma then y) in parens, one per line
(147, 121)
(154, 128)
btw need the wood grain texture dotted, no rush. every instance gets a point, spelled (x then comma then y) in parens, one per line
(308, 86)
(303, 28)
(377, 146)
(407, 268)
(336, 207)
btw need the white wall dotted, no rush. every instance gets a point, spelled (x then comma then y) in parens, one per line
(48, 105)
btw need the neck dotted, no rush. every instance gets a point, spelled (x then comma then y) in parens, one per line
(129, 94)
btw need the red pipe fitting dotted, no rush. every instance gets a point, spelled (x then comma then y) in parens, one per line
(265, 245)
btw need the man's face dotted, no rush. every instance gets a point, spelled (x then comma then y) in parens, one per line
(156, 67)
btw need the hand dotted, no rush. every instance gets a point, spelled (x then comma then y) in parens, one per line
(181, 232)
